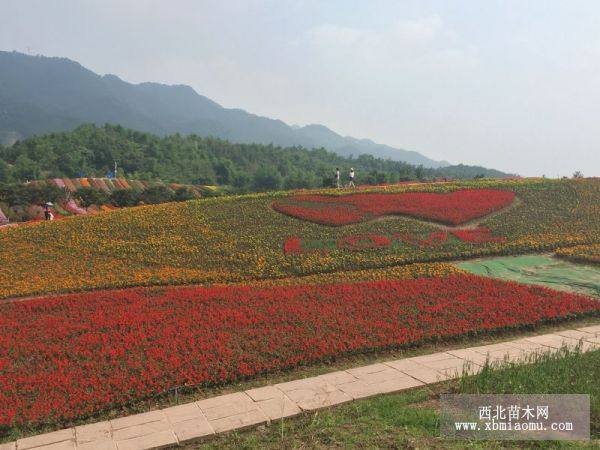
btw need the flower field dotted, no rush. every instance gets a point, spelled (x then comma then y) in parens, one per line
(581, 253)
(451, 208)
(232, 239)
(278, 283)
(71, 356)
(359, 242)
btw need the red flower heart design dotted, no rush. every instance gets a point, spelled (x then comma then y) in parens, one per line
(452, 208)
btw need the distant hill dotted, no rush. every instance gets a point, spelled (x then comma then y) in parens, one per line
(40, 95)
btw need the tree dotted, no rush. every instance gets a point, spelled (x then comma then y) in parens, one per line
(328, 182)
(298, 180)
(419, 172)
(224, 171)
(25, 168)
(204, 174)
(241, 181)
(183, 194)
(375, 177)
(578, 174)
(124, 197)
(88, 196)
(5, 172)
(266, 179)
(157, 194)
(31, 194)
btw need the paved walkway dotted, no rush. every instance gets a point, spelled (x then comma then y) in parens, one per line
(197, 420)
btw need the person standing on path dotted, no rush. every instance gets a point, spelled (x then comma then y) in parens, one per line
(337, 178)
(47, 213)
(351, 181)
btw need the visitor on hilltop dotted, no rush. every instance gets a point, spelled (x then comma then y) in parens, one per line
(337, 178)
(351, 175)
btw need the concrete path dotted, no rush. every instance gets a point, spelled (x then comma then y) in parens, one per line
(201, 419)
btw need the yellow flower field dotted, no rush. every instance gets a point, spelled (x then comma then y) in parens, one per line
(581, 253)
(229, 239)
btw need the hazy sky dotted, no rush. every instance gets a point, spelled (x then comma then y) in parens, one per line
(513, 85)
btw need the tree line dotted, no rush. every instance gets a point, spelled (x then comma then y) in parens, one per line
(91, 151)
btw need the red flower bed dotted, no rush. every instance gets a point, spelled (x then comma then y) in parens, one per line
(74, 355)
(293, 246)
(452, 208)
(326, 214)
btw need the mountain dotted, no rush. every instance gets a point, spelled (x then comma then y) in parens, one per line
(40, 95)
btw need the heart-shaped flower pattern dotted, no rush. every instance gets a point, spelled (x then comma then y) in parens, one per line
(453, 208)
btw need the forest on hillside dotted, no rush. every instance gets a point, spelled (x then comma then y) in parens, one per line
(91, 151)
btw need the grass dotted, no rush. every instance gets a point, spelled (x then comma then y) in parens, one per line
(410, 419)
(383, 422)
(567, 372)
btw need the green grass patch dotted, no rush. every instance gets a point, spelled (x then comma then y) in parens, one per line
(410, 419)
(566, 372)
(544, 270)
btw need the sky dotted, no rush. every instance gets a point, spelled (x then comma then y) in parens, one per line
(508, 84)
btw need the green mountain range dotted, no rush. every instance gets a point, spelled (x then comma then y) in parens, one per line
(40, 95)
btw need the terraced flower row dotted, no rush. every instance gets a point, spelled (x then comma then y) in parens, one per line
(581, 253)
(69, 207)
(229, 239)
(113, 184)
(72, 356)
(451, 208)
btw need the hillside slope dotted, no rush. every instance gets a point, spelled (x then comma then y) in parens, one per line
(76, 196)
(40, 95)
(240, 238)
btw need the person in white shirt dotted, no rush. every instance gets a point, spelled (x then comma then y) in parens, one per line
(47, 212)
(351, 181)
(337, 178)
